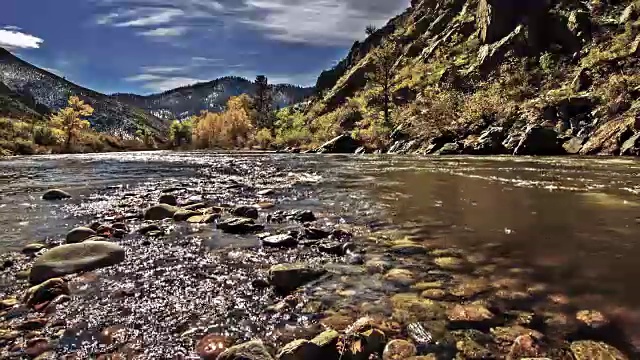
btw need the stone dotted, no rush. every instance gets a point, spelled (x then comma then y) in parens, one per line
(490, 55)
(525, 346)
(282, 240)
(252, 350)
(589, 350)
(299, 350)
(245, 211)
(211, 346)
(8, 303)
(194, 207)
(56, 194)
(343, 144)
(399, 350)
(79, 235)
(168, 199)
(449, 263)
(73, 258)
(45, 292)
(539, 140)
(288, 277)
(365, 344)
(466, 315)
(630, 13)
(631, 147)
(160, 212)
(488, 143)
(449, 149)
(33, 248)
(36, 347)
(401, 277)
(592, 319)
(149, 228)
(239, 226)
(434, 294)
(582, 81)
(302, 216)
(203, 219)
(265, 192)
(315, 234)
(184, 215)
(422, 308)
(507, 335)
(574, 145)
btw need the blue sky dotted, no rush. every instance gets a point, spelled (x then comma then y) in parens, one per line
(147, 46)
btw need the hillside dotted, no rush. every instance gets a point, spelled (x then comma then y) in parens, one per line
(50, 92)
(494, 77)
(211, 96)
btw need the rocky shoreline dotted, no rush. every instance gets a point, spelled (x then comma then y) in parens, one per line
(223, 267)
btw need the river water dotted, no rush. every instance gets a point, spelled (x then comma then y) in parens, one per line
(571, 225)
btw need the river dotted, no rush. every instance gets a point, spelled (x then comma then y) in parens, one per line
(568, 226)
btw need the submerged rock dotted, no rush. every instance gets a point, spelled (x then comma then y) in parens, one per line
(288, 277)
(160, 212)
(398, 350)
(469, 315)
(72, 258)
(56, 194)
(79, 235)
(589, 350)
(184, 215)
(252, 350)
(239, 226)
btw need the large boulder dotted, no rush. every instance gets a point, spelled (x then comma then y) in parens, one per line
(56, 194)
(253, 350)
(631, 147)
(490, 55)
(343, 144)
(79, 235)
(539, 140)
(288, 277)
(73, 258)
(449, 149)
(160, 212)
(488, 143)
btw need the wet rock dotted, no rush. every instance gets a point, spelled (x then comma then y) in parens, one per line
(589, 350)
(239, 226)
(148, 228)
(265, 192)
(45, 292)
(327, 342)
(525, 346)
(470, 315)
(79, 235)
(211, 346)
(539, 140)
(434, 294)
(246, 212)
(398, 350)
(422, 308)
(470, 287)
(253, 350)
(160, 212)
(8, 303)
(282, 240)
(472, 344)
(507, 335)
(363, 344)
(302, 216)
(630, 13)
(36, 347)
(419, 334)
(194, 207)
(72, 258)
(288, 277)
(401, 277)
(32, 324)
(336, 248)
(259, 283)
(168, 199)
(343, 144)
(631, 147)
(337, 322)
(592, 320)
(449, 149)
(204, 219)
(450, 263)
(119, 234)
(488, 143)
(408, 248)
(56, 194)
(33, 248)
(184, 215)
(315, 234)
(299, 350)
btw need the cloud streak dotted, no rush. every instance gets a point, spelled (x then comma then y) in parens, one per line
(13, 40)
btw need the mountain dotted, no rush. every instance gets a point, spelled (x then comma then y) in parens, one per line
(537, 77)
(30, 87)
(212, 96)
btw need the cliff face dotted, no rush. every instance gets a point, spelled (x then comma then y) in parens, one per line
(537, 77)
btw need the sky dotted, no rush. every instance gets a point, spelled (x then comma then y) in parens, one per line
(149, 46)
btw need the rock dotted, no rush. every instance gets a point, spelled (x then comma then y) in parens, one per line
(490, 55)
(434, 294)
(33, 248)
(8, 303)
(365, 343)
(245, 211)
(343, 144)
(79, 235)
(36, 347)
(538, 140)
(489, 142)
(630, 13)
(302, 216)
(525, 346)
(45, 292)
(149, 228)
(265, 192)
(282, 240)
(288, 277)
(574, 145)
(32, 324)
(507, 335)
(579, 23)
(401, 277)
(299, 350)
(631, 147)
(239, 226)
(450, 263)
(469, 315)
(56, 194)
(399, 350)
(211, 346)
(160, 212)
(72, 258)
(315, 234)
(589, 350)
(194, 207)
(326, 339)
(253, 350)
(168, 199)
(336, 247)
(203, 219)
(471, 344)
(449, 149)
(361, 150)
(582, 81)
(592, 319)
(423, 309)
(184, 215)
(419, 334)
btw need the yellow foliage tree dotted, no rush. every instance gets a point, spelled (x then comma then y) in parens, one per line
(70, 119)
(230, 129)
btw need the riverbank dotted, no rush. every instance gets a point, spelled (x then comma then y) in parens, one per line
(192, 283)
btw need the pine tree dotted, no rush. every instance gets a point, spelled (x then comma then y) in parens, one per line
(263, 103)
(70, 119)
(384, 59)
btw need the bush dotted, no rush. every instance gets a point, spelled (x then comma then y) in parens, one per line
(291, 128)
(46, 136)
(264, 138)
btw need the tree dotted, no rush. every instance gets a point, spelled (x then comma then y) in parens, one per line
(370, 30)
(146, 136)
(383, 75)
(180, 132)
(70, 119)
(263, 103)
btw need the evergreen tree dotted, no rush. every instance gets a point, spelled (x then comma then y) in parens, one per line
(263, 103)
(384, 59)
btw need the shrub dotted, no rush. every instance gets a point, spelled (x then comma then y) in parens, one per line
(264, 138)
(46, 136)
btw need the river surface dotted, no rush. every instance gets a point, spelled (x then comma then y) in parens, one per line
(570, 224)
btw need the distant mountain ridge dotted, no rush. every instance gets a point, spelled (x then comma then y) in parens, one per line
(210, 96)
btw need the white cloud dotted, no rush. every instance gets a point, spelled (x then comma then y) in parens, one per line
(162, 69)
(18, 40)
(165, 32)
(158, 83)
(12, 27)
(152, 17)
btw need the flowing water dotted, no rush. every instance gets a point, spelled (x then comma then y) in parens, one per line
(570, 226)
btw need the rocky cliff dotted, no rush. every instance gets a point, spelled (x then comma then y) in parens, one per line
(537, 77)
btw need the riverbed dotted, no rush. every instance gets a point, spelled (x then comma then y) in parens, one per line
(544, 236)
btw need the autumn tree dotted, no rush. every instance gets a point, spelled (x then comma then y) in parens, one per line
(384, 72)
(263, 103)
(70, 119)
(229, 129)
(180, 132)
